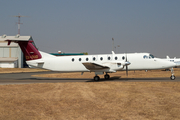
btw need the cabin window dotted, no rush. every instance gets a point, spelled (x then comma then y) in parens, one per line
(80, 59)
(116, 58)
(94, 58)
(109, 58)
(101, 58)
(123, 57)
(73, 59)
(87, 59)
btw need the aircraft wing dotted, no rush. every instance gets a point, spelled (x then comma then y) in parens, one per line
(95, 66)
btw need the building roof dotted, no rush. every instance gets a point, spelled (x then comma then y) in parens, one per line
(17, 37)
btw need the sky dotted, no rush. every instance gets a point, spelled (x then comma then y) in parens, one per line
(75, 26)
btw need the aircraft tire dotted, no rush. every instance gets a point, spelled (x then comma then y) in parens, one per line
(96, 78)
(172, 77)
(106, 76)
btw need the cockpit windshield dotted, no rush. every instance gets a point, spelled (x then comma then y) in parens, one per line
(150, 56)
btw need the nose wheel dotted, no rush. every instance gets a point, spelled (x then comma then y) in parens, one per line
(172, 76)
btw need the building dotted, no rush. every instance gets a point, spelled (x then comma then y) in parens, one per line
(11, 55)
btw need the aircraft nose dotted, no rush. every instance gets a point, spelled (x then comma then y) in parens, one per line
(177, 63)
(170, 64)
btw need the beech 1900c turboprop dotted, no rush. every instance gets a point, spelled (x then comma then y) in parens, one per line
(100, 64)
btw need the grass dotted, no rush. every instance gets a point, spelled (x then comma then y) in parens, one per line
(92, 101)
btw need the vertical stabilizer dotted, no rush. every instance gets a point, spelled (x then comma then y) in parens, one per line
(28, 48)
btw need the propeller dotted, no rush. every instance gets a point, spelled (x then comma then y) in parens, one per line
(126, 64)
(126, 67)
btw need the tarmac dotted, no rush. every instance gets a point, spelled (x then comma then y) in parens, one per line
(27, 78)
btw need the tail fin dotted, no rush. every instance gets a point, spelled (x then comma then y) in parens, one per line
(28, 48)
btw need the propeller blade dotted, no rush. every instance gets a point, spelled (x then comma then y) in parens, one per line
(126, 70)
(126, 66)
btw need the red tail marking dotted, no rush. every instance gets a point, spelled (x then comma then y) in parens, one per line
(29, 50)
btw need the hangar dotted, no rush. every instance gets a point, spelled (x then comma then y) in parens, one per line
(11, 55)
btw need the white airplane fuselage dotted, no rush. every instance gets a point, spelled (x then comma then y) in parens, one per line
(75, 63)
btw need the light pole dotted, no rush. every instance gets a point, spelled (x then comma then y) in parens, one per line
(113, 44)
(118, 48)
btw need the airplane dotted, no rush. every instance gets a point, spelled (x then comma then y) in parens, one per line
(99, 64)
(175, 60)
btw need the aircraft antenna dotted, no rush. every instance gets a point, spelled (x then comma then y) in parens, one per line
(19, 18)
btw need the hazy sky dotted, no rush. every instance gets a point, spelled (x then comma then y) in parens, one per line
(88, 25)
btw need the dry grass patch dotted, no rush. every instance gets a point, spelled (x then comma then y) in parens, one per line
(92, 101)
(19, 70)
(120, 74)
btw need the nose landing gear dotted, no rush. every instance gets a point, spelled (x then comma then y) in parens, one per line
(172, 74)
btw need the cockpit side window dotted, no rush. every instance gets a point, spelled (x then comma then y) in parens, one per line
(148, 57)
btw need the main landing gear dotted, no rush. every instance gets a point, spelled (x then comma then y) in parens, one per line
(97, 78)
(172, 74)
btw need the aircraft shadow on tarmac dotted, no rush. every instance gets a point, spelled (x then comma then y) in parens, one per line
(91, 80)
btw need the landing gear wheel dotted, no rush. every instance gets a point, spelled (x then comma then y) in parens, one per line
(106, 76)
(96, 78)
(172, 77)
